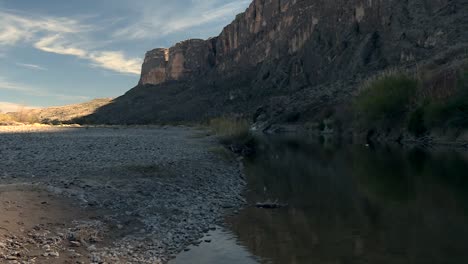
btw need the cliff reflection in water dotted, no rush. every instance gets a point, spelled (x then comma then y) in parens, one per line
(355, 205)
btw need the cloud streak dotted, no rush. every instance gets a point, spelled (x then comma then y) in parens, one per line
(110, 60)
(6, 85)
(116, 61)
(17, 27)
(62, 36)
(31, 66)
(35, 91)
(158, 20)
(57, 44)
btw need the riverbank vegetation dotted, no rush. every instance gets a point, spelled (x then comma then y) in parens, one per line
(234, 133)
(230, 129)
(415, 103)
(385, 99)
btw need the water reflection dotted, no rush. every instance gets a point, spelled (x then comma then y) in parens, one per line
(219, 246)
(355, 204)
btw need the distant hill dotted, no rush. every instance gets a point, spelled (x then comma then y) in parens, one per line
(60, 113)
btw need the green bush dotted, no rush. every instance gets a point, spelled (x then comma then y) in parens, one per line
(451, 112)
(399, 100)
(416, 124)
(386, 98)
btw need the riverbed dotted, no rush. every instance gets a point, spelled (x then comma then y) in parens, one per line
(110, 194)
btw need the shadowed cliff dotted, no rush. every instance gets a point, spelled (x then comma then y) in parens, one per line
(291, 61)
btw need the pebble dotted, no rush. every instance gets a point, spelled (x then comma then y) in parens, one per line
(75, 244)
(92, 248)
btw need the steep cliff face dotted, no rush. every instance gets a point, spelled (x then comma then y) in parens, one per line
(289, 58)
(382, 32)
(187, 59)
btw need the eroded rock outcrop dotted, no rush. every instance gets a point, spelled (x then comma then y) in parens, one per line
(186, 59)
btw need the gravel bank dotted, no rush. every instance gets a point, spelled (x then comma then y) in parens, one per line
(156, 190)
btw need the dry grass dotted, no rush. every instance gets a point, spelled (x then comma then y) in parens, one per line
(230, 128)
(5, 119)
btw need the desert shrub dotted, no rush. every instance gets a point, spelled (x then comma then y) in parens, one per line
(230, 128)
(386, 98)
(416, 124)
(53, 122)
(56, 122)
(6, 119)
(30, 119)
(25, 117)
(453, 111)
(322, 125)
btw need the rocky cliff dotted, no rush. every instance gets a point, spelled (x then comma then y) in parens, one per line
(286, 60)
(187, 59)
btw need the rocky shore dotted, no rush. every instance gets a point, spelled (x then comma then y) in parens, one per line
(110, 195)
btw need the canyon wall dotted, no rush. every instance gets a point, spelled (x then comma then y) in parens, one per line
(287, 60)
(271, 29)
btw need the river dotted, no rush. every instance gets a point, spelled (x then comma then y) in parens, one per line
(345, 204)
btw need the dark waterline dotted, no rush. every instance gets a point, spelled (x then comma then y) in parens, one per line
(347, 204)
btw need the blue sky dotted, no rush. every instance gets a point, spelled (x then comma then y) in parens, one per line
(55, 52)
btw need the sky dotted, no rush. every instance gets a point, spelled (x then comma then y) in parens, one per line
(56, 52)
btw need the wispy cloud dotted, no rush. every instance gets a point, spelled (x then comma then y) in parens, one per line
(110, 60)
(17, 26)
(58, 44)
(63, 36)
(7, 85)
(6, 107)
(36, 91)
(158, 20)
(31, 66)
(116, 61)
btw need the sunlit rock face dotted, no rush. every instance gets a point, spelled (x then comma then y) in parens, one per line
(186, 59)
(154, 66)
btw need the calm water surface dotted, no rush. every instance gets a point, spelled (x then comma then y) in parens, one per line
(347, 204)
